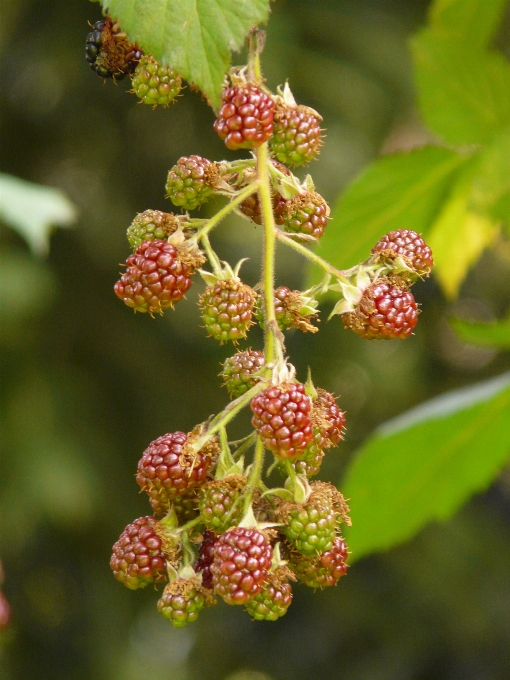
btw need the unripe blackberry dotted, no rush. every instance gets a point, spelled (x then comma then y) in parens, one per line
(328, 419)
(227, 309)
(281, 417)
(238, 371)
(109, 52)
(205, 558)
(252, 209)
(310, 527)
(154, 83)
(306, 214)
(410, 246)
(138, 557)
(190, 182)
(309, 463)
(297, 134)
(245, 120)
(291, 311)
(242, 559)
(169, 468)
(151, 225)
(182, 601)
(155, 279)
(385, 312)
(220, 503)
(273, 600)
(321, 571)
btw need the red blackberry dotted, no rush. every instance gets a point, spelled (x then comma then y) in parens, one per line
(190, 181)
(297, 134)
(306, 214)
(182, 601)
(242, 559)
(252, 209)
(238, 371)
(156, 278)
(385, 312)
(151, 225)
(410, 246)
(309, 463)
(154, 83)
(219, 503)
(169, 468)
(324, 570)
(281, 416)
(273, 600)
(109, 52)
(328, 419)
(205, 558)
(138, 557)
(227, 309)
(245, 120)
(311, 527)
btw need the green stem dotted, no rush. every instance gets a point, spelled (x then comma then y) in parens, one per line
(213, 258)
(192, 523)
(268, 258)
(216, 219)
(228, 413)
(310, 254)
(254, 478)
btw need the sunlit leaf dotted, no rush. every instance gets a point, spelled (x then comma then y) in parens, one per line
(496, 334)
(195, 37)
(469, 21)
(33, 210)
(462, 92)
(404, 191)
(423, 465)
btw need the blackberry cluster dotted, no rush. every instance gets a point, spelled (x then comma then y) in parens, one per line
(109, 52)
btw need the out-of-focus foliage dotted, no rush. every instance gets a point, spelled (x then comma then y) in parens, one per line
(86, 384)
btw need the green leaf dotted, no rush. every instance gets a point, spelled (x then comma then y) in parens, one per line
(457, 239)
(470, 21)
(496, 334)
(33, 210)
(492, 180)
(404, 191)
(195, 37)
(423, 465)
(462, 92)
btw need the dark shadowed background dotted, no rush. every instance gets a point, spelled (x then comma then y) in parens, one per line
(86, 384)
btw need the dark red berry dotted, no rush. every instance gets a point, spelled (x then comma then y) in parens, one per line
(328, 419)
(205, 558)
(410, 246)
(245, 120)
(138, 557)
(227, 309)
(238, 371)
(242, 559)
(306, 214)
(281, 416)
(182, 601)
(190, 181)
(384, 312)
(169, 468)
(324, 570)
(155, 279)
(273, 600)
(5, 612)
(297, 134)
(252, 209)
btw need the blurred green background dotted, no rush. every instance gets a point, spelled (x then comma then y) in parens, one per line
(86, 384)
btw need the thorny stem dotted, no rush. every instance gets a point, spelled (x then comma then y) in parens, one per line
(316, 259)
(229, 412)
(216, 219)
(254, 478)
